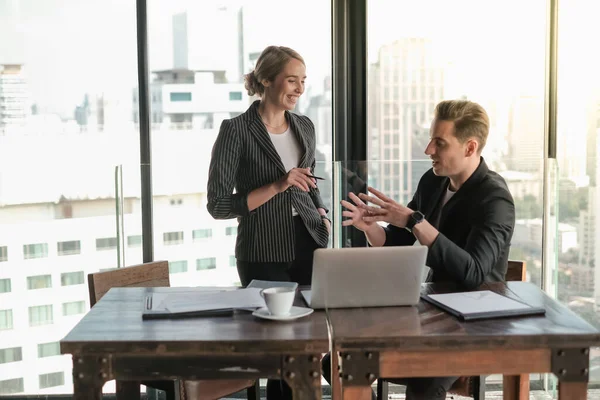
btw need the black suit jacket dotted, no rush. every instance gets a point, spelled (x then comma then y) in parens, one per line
(476, 227)
(244, 158)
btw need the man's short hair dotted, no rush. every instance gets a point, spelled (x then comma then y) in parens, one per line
(470, 120)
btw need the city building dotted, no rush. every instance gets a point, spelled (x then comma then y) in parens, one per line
(55, 234)
(409, 83)
(188, 99)
(15, 101)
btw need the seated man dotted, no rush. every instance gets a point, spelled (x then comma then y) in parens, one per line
(462, 211)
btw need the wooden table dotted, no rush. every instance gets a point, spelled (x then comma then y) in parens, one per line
(422, 341)
(113, 342)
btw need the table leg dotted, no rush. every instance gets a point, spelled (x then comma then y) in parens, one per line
(336, 385)
(356, 392)
(303, 374)
(128, 390)
(516, 387)
(572, 390)
(89, 375)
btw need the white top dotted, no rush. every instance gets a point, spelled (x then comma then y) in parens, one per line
(447, 196)
(288, 149)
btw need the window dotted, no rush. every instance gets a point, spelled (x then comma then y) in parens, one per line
(3, 253)
(10, 386)
(6, 319)
(180, 96)
(430, 73)
(71, 278)
(73, 308)
(5, 285)
(39, 282)
(38, 250)
(200, 234)
(235, 96)
(172, 238)
(40, 315)
(134, 241)
(68, 248)
(176, 267)
(48, 349)
(232, 261)
(13, 354)
(231, 231)
(52, 379)
(206, 263)
(106, 243)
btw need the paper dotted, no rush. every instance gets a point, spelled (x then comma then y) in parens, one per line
(216, 300)
(483, 301)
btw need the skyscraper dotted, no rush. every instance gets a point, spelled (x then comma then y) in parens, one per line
(407, 83)
(209, 38)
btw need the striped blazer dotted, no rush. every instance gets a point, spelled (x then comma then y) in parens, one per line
(244, 158)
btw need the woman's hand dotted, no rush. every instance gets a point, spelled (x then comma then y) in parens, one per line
(298, 177)
(357, 213)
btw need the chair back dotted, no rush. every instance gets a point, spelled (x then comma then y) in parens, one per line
(516, 271)
(152, 274)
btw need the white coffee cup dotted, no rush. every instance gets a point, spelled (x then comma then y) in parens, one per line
(279, 300)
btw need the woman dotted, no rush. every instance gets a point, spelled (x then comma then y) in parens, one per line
(267, 155)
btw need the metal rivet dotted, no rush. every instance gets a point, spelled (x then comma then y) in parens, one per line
(104, 375)
(81, 375)
(289, 359)
(584, 371)
(561, 353)
(349, 377)
(562, 371)
(104, 361)
(80, 360)
(314, 374)
(370, 377)
(585, 352)
(291, 375)
(369, 355)
(314, 359)
(348, 357)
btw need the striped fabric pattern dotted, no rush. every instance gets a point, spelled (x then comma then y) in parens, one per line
(244, 159)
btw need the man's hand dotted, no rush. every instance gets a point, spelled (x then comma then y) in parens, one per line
(356, 212)
(388, 210)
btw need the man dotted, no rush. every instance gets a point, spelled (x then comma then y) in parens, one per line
(462, 211)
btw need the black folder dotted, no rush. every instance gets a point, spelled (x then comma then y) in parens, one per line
(484, 304)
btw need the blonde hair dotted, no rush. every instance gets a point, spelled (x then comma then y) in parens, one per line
(269, 64)
(470, 120)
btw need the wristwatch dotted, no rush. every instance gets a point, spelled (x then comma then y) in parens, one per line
(415, 218)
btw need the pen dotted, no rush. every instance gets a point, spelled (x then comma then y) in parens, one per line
(315, 177)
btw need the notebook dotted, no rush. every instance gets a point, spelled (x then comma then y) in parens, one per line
(483, 304)
(201, 303)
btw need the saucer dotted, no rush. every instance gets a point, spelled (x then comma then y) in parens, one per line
(295, 313)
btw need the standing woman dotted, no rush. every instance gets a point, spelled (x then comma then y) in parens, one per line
(267, 154)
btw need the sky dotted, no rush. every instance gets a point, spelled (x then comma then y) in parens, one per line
(489, 48)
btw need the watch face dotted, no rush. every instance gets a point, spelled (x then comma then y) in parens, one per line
(417, 216)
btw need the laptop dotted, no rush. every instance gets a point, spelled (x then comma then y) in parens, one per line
(366, 277)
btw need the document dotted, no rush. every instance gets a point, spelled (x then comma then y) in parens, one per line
(205, 303)
(480, 305)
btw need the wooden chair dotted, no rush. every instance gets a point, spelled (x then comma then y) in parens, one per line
(474, 386)
(156, 274)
